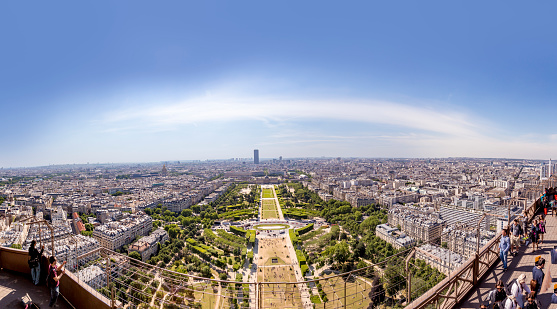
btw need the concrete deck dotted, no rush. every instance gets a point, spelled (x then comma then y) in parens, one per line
(521, 264)
(14, 286)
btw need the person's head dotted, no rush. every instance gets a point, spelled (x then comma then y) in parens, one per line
(52, 259)
(531, 297)
(33, 243)
(521, 279)
(483, 306)
(533, 285)
(540, 263)
(500, 285)
(536, 221)
(504, 232)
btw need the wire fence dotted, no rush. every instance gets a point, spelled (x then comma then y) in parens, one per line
(129, 283)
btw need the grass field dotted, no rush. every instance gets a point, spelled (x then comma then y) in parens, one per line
(265, 226)
(357, 291)
(205, 295)
(268, 193)
(269, 209)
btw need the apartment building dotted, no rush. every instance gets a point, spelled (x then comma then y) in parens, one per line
(393, 236)
(420, 224)
(148, 245)
(114, 235)
(442, 259)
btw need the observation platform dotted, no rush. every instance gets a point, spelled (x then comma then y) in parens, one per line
(520, 264)
(14, 286)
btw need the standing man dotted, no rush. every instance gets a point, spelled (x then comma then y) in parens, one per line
(504, 246)
(537, 273)
(53, 279)
(516, 231)
(35, 262)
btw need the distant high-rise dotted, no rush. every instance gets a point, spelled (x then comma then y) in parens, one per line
(256, 156)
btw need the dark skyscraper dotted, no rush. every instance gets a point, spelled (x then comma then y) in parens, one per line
(256, 156)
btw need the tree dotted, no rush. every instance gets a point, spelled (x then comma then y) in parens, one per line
(16, 246)
(206, 272)
(223, 276)
(186, 212)
(341, 252)
(393, 280)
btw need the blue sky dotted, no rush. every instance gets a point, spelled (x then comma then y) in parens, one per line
(133, 81)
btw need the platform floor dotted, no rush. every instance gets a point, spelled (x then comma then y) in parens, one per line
(14, 286)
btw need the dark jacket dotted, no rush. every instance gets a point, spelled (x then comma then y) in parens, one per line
(537, 274)
(35, 256)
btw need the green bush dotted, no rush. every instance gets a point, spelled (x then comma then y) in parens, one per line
(305, 229)
(238, 231)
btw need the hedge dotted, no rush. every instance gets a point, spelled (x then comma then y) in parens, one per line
(250, 235)
(300, 256)
(305, 229)
(293, 236)
(304, 269)
(238, 231)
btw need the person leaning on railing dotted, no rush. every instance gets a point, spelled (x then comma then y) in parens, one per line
(35, 262)
(53, 279)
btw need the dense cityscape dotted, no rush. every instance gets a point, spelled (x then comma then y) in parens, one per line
(273, 220)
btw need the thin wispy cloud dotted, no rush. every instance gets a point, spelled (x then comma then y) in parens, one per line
(269, 110)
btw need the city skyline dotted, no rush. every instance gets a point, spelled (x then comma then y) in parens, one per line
(97, 83)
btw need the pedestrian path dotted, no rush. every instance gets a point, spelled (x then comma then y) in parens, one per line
(520, 264)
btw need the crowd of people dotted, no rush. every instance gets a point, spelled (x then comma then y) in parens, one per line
(520, 292)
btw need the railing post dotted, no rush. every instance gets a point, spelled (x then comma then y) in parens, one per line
(476, 269)
(112, 303)
(409, 277)
(345, 293)
(258, 302)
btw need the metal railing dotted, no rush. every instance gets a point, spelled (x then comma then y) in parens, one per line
(130, 283)
(455, 288)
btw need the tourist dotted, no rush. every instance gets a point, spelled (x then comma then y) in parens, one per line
(534, 235)
(537, 273)
(35, 262)
(534, 287)
(504, 246)
(53, 279)
(531, 302)
(498, 295)
(542, 228)
(509, 303)
(519, 289)
(516, 231)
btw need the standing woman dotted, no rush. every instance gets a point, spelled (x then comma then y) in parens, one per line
(542, 228)
(35, 262)
(535, 235)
